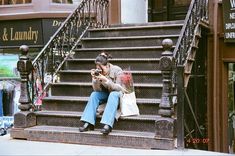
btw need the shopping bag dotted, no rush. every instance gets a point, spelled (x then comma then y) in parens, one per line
(128, 104)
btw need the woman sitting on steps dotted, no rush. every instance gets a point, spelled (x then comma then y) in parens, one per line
(106, 89)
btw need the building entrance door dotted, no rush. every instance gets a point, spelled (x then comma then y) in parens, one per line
(167, 10)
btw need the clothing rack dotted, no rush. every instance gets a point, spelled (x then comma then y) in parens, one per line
(9, 78)
(13, 82)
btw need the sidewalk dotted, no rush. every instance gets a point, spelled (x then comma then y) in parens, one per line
(9, 146)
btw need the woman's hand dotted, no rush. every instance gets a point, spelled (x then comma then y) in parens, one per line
(93, 74)
(102, 78)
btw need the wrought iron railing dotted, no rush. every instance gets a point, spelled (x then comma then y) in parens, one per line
(197, 12)
(89, 13)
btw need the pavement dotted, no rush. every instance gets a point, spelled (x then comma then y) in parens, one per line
(9, 146)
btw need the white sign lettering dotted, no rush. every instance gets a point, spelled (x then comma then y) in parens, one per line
(232, 15)
(229, 26)
(230, 35)
(232, 2)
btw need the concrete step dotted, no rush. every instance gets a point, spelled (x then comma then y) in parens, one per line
(116, 138)
(121, 52)
(134, 64)
(142, 90)
(160, 29)
(85, 76)
(141, 123)
(130, 41)
(74, 103)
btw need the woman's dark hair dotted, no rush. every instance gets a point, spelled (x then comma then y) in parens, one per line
(103, 58)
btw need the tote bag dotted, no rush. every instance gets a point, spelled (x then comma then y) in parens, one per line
(128, 104)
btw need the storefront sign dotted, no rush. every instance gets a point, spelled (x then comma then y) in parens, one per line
(16, 33)
(49, 28)
(34, 33)
(229, 20)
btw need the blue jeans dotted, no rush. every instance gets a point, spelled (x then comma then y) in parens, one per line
(97, 98)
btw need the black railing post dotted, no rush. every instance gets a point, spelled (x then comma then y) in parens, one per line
(180, 107)
(24, 118)
(24, 66)
(165, 126)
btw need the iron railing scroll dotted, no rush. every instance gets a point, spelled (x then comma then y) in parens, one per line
(89, 13)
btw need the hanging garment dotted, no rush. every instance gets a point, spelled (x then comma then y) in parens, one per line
(1, 104)
(7, 102)
(40, 93)
(8, 94)
(16, 98)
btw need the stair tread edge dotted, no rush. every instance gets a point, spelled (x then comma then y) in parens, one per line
(45, 128)
(74, 98)
(139, 27)
(78, 114)
(130, 37)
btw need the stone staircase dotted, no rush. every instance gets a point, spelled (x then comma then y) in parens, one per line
(135, 46)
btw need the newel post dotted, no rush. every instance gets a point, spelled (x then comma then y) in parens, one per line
(165, 126)
(24, 118)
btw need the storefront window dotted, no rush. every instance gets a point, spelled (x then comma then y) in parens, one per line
(63, 1)
(8, 65)
(231, 107)
(13, 2)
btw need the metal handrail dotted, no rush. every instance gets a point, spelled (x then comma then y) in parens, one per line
(197, 11)
(89, 13)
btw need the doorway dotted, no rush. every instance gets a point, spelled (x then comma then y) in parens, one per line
(167, 10)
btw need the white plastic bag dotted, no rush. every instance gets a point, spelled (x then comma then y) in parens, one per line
(128, 104)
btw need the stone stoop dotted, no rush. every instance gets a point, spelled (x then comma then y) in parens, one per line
(135, 46)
